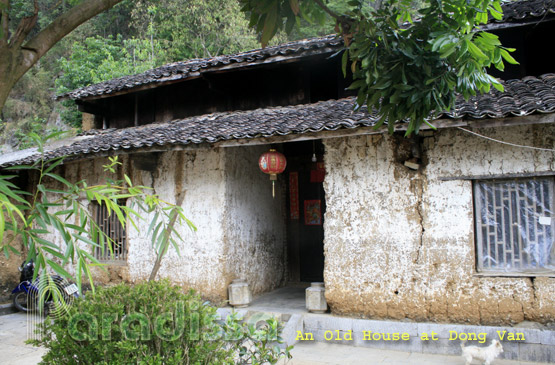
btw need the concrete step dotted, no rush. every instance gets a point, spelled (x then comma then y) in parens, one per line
(7, 308)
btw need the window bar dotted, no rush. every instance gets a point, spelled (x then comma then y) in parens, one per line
(540, 231)
(101, 226)
(522, 226)
(532, 221)
(105, 225)
(514, 236)
(107, 242)
(483, 248)
(500, 227)
(491, 229)
(96, 219)
(508, 257)
(548, 199)
(111, 235)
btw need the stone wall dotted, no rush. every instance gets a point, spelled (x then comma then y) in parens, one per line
(400, 243)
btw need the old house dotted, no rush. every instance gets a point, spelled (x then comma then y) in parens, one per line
(454, 225)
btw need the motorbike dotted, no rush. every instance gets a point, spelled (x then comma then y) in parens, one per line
(27, 296)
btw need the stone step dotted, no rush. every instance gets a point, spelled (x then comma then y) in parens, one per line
(7, 308)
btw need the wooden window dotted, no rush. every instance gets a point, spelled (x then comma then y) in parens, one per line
(115, 247)
(514, 226)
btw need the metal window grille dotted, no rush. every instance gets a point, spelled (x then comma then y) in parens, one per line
(515, 225)
(114, 245)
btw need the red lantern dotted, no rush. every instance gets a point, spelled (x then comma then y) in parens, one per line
(273, 163)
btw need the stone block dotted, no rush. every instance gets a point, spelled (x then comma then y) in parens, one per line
(239, 294)
(535, 352)
(314, 321)
(316, 299)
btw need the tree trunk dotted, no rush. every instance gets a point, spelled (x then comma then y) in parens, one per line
(17, 57)
(7, 79)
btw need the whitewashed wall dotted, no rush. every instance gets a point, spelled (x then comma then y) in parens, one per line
(254, 233)
(240, 228)
(400, 243)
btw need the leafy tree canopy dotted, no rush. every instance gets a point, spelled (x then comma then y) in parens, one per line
(408, 60)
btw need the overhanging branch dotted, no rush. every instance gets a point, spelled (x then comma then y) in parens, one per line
(24, 28)
(66, 23)
(4, 22)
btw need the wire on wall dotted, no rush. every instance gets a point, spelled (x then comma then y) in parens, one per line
(507, 143)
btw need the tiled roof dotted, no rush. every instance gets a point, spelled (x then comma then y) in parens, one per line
(519, 10)
(521, 98)
(185, 69)
(513, 11)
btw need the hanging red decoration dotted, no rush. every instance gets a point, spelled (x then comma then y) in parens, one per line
(272, 163)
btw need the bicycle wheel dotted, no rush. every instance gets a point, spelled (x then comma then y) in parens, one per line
(20, 301)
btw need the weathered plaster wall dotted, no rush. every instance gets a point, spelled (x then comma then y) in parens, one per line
(400, 243)
(254, 222)
(9, 273)
(198, 177)
(240, 228)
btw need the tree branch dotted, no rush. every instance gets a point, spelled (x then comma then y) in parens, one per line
(4, 22)
(166, 240)
(337, 17)
(24, 28)
(345, 22)
(67, 22)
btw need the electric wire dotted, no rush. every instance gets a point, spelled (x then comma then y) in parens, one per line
(507, 143)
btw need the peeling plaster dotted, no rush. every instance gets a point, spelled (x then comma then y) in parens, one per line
(400, 244)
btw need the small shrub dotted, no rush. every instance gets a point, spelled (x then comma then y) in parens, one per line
(153, 323)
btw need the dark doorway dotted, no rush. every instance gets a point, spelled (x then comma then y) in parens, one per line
(306, 206)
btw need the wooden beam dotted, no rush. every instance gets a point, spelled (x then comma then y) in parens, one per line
(500, 176)
(130, 151)
(91, 108)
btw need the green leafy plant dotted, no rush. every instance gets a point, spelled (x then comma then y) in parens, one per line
(167, 327)
(57, 206)
(407, 62)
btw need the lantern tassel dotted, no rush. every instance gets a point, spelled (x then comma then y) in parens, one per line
(273, 189)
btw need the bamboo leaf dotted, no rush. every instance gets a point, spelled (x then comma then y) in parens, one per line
(59, 178)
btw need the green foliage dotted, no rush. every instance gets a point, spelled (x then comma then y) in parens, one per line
(177, 329)
(98, 59)
(29, 110)
(57, 206)
(194, 29)
(411, 73)
(29, 128)
(406, 70)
